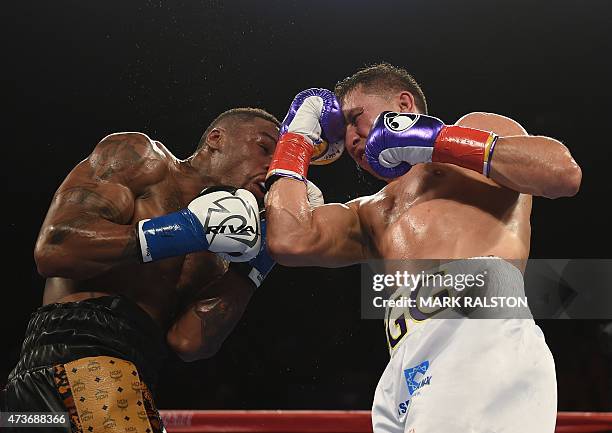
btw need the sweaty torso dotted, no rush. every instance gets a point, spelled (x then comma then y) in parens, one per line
(442, 211)
(156, 287)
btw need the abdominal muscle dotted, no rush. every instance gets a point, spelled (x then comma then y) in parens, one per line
(62, 290)
(152, 287)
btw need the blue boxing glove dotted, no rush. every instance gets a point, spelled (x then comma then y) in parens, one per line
(397, 141)
(222, 220)
(260, 266)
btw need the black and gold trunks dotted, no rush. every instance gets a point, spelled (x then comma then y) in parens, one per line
(97, 360)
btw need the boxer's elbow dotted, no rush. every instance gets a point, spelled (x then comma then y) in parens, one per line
(51, 264)
(573, 178)
(50, 260)
(184, 351)
(190, 350)
(566, 180)
(55, 259)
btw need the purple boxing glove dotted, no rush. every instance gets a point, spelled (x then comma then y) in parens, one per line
(316, 114)
(397, 141)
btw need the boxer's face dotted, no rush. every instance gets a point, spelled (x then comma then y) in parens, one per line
(246, 154)
(360, 110)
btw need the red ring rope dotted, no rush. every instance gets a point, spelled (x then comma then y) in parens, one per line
(333, 421)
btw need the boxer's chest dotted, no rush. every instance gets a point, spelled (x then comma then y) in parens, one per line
(424, 214)
(189, 272)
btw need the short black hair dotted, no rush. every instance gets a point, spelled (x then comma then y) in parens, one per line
(382, 78)
(243, 114)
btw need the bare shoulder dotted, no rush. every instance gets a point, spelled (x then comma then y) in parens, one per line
(358, 203)
(497, 123)
(371, 207)
(130, 157)
(125, 146)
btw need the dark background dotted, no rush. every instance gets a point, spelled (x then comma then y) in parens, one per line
(75, 71)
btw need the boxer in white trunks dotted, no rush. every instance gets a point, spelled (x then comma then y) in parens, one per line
(453, 193)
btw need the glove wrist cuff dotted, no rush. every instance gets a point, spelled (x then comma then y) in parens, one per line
(171, 235)
(465, 147)
(291, 158)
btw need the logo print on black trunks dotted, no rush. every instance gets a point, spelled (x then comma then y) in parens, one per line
(109, 422)
(86, 415)
(93, 366)
(101, 394)
(78, 385)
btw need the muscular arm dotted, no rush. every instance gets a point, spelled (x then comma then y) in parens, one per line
(298, 235)
(205, 324)
(535, 165)
(87, 229)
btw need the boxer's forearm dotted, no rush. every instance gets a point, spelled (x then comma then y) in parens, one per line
(535, 165)
(83, 246)
(329, 235)
(201, 330)
(289, 216)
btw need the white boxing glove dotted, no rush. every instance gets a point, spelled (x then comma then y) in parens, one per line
(222, 219)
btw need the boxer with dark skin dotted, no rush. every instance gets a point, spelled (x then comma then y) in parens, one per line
(95, 349)
(87, 245)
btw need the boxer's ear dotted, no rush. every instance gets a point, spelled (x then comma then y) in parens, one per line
(406, 102)
(214, 139)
